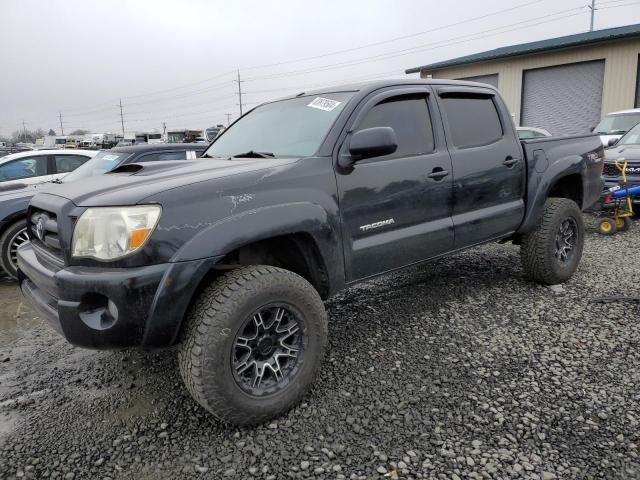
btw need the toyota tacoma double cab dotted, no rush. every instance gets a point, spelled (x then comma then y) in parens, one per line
(231, 259)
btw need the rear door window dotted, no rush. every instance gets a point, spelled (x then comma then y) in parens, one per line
(473, 121)
(408, 115)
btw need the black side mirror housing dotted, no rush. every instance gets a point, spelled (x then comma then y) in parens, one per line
(373, 142)
(612, 142)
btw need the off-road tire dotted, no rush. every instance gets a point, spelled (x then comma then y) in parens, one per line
(537, 249)
(5, 240)
(213, 321)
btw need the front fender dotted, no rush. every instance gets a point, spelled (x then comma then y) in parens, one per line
(230, 233)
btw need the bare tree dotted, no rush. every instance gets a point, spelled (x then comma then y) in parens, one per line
(80, 131)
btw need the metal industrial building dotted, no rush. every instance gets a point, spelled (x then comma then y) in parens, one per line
(562, 84)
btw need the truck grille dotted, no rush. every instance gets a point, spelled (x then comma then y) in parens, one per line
(610, 170)
(43, 230)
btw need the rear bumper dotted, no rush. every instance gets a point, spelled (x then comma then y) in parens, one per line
(103, 308)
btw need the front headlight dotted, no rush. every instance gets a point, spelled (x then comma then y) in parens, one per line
(108, 233)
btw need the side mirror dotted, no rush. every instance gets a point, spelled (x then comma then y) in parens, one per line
(373, 142)
(612, 142)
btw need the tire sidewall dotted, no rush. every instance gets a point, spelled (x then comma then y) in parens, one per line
(5, 238)
(218, 348)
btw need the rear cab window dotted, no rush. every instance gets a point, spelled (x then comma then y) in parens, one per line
(473, 120)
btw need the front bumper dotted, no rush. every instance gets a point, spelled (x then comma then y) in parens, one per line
(109, 308)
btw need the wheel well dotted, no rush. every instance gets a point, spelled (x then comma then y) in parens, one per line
(568, 187)
(296, 252)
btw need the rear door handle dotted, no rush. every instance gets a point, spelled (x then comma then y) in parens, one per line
(510, 161)
(438, 174)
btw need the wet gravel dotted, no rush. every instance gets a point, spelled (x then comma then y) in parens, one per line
(457, 369)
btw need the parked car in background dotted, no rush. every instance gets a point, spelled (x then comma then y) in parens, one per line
(15, 198)
(615, 124)
(27, 168)
(628, 148)
(301, 198)
(531, 132)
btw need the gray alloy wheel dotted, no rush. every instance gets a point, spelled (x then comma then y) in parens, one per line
(13, 238)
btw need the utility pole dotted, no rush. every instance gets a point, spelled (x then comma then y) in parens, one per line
(61, 128)
(593, 9)
(228, 115)
(24, 132)
(121, 118)
(164, 129)
(238, 81)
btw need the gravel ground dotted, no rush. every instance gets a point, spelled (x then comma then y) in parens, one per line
(457, 369)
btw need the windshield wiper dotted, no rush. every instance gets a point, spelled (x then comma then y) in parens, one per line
(254, 154)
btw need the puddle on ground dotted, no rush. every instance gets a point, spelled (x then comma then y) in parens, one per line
(16, 317)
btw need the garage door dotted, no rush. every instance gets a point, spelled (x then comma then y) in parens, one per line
(565, 99)
(490, 79)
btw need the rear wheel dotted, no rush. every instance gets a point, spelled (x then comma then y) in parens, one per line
(253, 343)
(623, 223)
(12, 238)
(551, 253)
(607, 226)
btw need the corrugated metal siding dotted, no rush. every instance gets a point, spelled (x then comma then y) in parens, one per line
(620, 72)
(490, 79)
(565, 99)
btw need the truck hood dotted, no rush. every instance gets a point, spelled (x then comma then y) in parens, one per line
(630, 152)
(133, 183)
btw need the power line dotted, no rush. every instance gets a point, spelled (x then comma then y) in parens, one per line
(395, 39)
(419, 48)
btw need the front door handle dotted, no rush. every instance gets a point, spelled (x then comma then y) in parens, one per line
(510, 161)
(438, 174)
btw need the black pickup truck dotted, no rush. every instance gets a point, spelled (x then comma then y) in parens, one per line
(231, 258)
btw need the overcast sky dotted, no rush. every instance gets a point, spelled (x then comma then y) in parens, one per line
(175, 61)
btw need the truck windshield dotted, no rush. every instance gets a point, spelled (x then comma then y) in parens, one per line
(103, 162)
(632, 137)
(612, 124)
(294, 127)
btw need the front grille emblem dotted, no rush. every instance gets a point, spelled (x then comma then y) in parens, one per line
(40, 229)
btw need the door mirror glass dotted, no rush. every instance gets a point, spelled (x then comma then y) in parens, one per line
(373, 142)
(612, 142)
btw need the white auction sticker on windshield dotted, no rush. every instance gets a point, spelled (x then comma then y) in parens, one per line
(110, 157)
(325, 104)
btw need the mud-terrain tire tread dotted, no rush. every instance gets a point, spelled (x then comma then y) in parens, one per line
(536, 256)
(216, 310)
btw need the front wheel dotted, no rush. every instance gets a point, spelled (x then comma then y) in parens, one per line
(253, 343)
(12, 238)
(551, 253)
